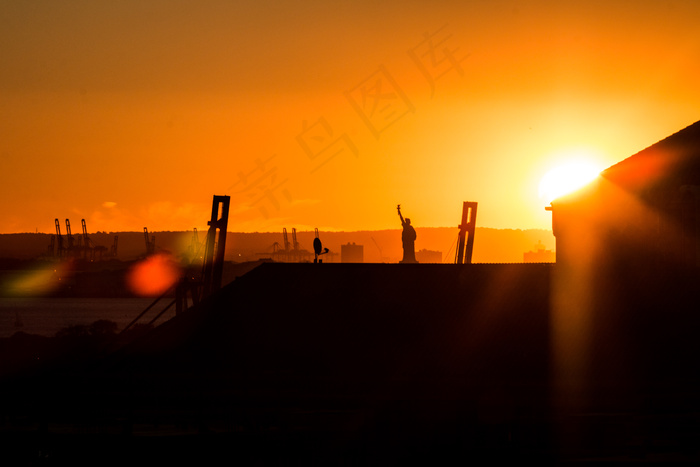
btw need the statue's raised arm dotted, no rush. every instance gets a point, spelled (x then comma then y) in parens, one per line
(398, 208)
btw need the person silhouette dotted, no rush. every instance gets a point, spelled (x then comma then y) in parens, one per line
(318, 249)
(408, 237)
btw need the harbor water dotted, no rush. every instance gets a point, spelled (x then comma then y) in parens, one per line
(46, 316)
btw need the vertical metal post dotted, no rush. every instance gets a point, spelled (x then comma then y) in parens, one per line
(214, 260)
(468, 226)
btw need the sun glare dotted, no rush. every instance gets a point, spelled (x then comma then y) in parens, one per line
(566, 178)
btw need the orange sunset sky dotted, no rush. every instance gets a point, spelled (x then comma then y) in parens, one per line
(326, 113)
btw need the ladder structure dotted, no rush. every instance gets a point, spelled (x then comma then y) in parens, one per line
(465, 242)
(216, 240)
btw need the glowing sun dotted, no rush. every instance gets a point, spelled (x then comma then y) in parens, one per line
(566, 178)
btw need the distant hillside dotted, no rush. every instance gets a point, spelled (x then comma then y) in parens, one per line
(490, 245)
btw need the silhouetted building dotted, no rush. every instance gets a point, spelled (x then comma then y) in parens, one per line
(428, 256)
(351, 253)
(539, 255)
(645, 208)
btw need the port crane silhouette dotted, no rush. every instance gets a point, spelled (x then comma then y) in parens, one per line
(150, 242)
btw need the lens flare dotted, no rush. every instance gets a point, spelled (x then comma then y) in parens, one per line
(42, 280)
(153, 276)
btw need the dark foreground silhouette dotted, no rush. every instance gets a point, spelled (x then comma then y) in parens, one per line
(348, 364)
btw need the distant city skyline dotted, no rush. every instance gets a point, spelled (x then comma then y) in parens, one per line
(491, 245)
